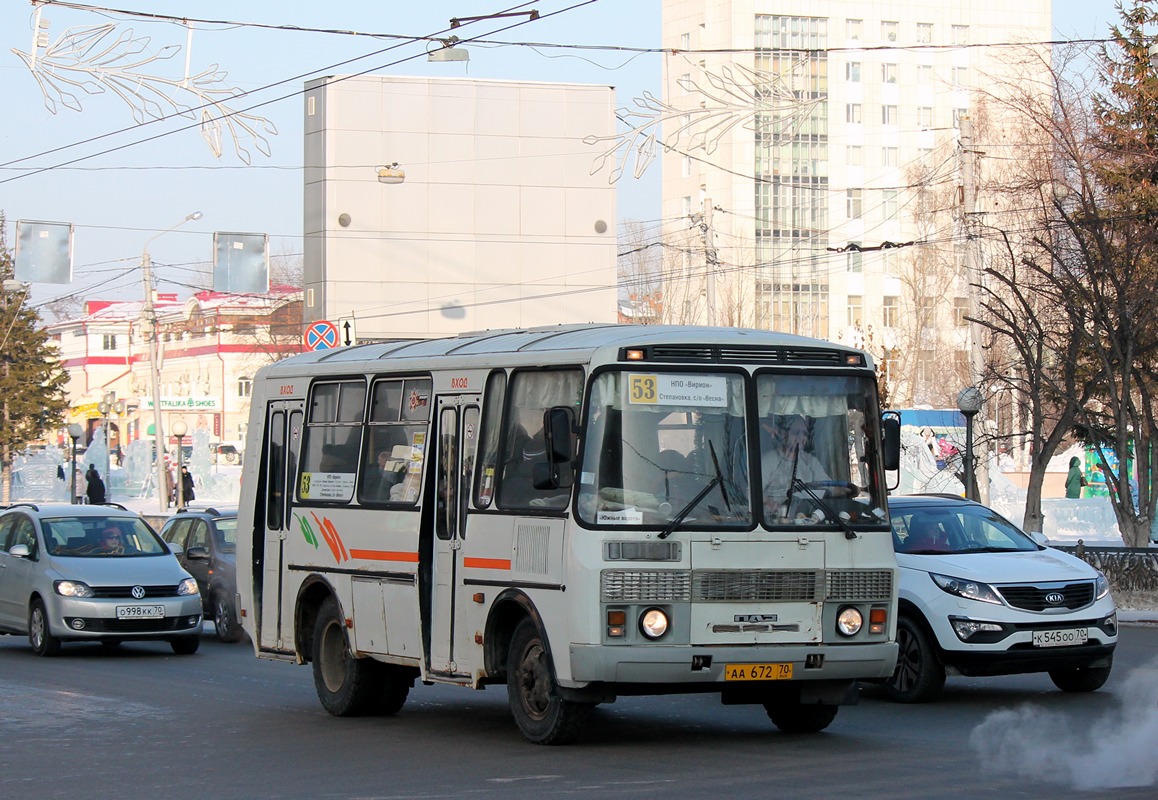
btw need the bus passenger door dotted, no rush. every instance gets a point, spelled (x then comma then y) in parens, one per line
(284, 437)
(457, 441)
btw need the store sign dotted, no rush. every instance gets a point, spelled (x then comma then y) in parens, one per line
(184, 403)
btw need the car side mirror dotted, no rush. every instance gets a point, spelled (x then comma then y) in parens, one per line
(175, 548)
(19, 551)
(198, 552)
(1040, 538)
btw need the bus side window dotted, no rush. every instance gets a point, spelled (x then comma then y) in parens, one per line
(488, 459)
(532, 393)
(275, 500)
(333, 439)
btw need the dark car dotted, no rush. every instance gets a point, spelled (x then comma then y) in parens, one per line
(207, 539)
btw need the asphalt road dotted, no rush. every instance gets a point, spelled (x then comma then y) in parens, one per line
(140, 722)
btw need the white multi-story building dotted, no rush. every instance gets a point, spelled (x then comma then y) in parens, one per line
(210, 346)
(810, 138)
(436, 205)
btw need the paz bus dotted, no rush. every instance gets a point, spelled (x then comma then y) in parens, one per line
(577, 513)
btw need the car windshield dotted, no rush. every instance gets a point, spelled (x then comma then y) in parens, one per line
(226, 532)
(955, 527)
(100, 537)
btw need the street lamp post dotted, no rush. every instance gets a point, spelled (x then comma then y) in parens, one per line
(179, 429)
(149, 315)
(75, 431)
(969, 403)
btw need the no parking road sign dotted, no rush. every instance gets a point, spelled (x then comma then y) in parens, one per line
(321, 335)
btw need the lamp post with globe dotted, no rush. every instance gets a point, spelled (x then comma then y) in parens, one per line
(969, 402)
(75, 431)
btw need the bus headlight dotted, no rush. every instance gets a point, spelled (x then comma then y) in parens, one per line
(653, 623)
(849, 621)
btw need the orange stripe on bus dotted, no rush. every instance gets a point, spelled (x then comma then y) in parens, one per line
(384, 555)
(487, 563)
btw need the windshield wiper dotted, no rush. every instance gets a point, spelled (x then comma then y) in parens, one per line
(849, 533)
(718, 480)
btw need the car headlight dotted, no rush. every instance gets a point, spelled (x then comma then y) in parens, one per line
(970, 590)
(849, 621)
(187, 587)
(73, 589)
(1101, 587)
(653, 623)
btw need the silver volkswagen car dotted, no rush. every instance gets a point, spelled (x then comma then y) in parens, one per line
(92, 573)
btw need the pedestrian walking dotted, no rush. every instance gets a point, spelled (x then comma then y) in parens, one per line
(95, 486)
(186, 486)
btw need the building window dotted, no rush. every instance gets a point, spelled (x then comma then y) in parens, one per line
(854, 204)
(888, 73)
(958, 113)
(890, 311)
(852, 29)
(889, 156)
(244, 386)
(889, 203)
(960, 77)
(685, 83)
(855, 258)
(109, 341)
(685, 41)
(854, 157)
(960, 311)
(855, 309)
(686, 166)
(924, 33)
(924, 74)
(852, 113)
(924, 116)
(888, 115)
(852, 71)
(960, 34)
(888, 31)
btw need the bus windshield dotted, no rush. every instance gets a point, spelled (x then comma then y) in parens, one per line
(659, 445)
(657, 441)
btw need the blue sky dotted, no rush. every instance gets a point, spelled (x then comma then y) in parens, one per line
(120, 199)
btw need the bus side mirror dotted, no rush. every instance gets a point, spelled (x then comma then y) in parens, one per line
(891, 444)
(556, 473)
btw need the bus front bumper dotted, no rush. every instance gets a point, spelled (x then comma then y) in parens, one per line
(674, 669)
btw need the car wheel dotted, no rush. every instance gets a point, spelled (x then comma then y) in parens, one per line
(919, 676)
(39, 636)
(793, 717)
(542, 716)
(224, 618)
(1080, 679)
(185, 645)
(347, 686)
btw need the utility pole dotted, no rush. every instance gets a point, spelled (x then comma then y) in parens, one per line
(973, 273)
(711, 258)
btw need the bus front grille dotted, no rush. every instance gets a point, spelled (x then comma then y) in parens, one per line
(648, 585)
(859, 584)
(757, 585)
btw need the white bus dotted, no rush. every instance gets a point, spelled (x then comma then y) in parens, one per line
(577, 512)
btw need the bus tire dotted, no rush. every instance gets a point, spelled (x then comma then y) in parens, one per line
(795, 717)
(346, 686)
(395, 687)
(542, 716)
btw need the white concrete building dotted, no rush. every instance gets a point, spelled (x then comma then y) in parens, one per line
(210, 345)
(499, 220)
(819, 134)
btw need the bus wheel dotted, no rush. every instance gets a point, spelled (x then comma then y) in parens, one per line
(793, 717)
(347, 686)
(394, 686)
(542, 716)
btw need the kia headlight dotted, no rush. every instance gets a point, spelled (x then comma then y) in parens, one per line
(970, 590)
(1101, 587)
(187, 587)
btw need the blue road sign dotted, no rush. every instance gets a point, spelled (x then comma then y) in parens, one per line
(321, 335)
